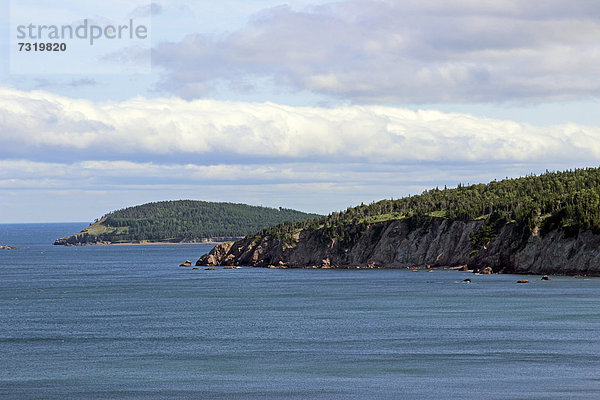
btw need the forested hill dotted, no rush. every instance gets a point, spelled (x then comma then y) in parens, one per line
(535, 224)
(567, 200)
(182, 221)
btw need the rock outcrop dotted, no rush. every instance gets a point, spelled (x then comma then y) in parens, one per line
(486, 271)
(439, 242)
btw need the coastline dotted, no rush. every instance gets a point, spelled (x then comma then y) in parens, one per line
(437, 242)
(542, 276)
(145, 244)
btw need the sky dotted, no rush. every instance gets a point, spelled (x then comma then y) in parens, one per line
(310, 104)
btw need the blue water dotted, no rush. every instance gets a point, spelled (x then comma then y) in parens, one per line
(125, 322)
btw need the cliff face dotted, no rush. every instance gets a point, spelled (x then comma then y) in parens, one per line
(440, 242)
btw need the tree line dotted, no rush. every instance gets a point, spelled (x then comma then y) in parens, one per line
(183, 220)
(567, 200)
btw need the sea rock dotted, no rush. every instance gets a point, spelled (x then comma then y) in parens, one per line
(486, 271)
(4, 247)
(545, 278)
(523, 281)
(186, 263)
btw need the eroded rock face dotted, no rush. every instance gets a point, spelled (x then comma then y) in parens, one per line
(216, 255)
(555, 254)
(441, 242)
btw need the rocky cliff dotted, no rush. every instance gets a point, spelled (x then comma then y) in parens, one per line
(438, 242)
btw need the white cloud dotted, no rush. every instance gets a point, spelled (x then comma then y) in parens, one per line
(40, 124)
(63, 152)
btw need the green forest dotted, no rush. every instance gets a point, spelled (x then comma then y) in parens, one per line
(182, 220)
(568, 200)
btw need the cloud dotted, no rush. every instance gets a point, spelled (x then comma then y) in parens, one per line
(92, 173)
(147, 11)
(132, 55)
(82, 82)
(58, 153)
(412, 51)
(43, 83)
(43, 125)
(79, 191)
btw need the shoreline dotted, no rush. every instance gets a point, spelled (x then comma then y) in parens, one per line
(383, 267)
(141, 244)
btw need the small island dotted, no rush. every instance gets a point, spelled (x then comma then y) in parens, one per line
(181, 221)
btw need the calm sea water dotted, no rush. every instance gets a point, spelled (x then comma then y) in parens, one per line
(128, 323)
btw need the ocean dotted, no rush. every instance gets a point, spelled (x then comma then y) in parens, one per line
(126, 322)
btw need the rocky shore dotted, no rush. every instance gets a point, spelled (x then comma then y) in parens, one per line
(440, 243)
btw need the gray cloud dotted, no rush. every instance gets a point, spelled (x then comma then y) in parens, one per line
(132, 55)
(42, 83)
(410, 51)
(82, 82)
(146, 11)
